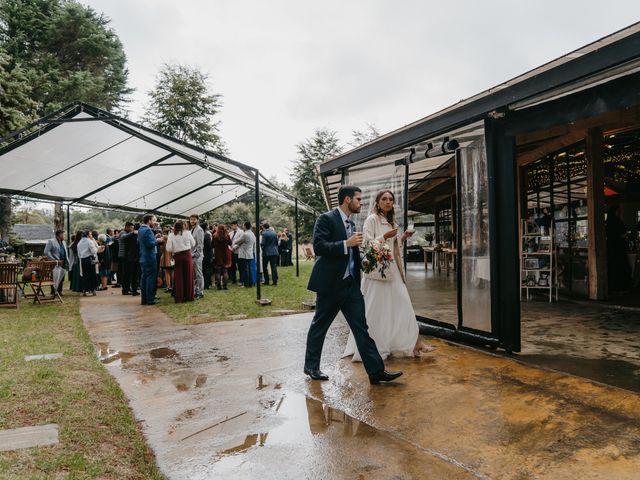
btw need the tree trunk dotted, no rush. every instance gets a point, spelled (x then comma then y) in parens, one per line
(5, 218)
(58, 217)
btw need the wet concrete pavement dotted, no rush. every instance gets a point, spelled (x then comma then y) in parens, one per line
(228, 400)
(590, 339)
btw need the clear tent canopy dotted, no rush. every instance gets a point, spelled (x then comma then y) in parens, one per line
(81, 155)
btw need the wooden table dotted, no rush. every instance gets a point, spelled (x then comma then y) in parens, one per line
(450, 255)
(426, 251)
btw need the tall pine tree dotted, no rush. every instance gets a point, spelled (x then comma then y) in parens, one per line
(322, 146)
(181, 105)
(53, 52)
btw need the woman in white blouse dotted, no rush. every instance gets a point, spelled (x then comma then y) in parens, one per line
(88, 255)
(180, 243)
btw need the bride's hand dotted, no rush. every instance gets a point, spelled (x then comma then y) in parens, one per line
(391, 233)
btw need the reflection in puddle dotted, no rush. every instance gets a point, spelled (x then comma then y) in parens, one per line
(106, 355)
(184, 380)
(305, 420)
(201, 380)
(262, 384)
(163, 352)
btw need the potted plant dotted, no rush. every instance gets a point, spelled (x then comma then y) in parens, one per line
(429, 237)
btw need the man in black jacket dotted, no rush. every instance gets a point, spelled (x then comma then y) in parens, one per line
(336, 280)
(132, 262)
(207, 255)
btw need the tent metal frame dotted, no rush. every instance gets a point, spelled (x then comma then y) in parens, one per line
(67, 113)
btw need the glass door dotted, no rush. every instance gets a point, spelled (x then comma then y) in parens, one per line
(474, 282)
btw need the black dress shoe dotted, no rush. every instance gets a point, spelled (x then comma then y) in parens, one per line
(315, 374)
(383, 376)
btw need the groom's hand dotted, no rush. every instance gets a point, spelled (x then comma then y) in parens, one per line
(355, 240)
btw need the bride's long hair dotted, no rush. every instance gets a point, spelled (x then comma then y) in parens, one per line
(376, 210)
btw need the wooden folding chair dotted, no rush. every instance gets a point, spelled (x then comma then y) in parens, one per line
(44, 279)
(9, 283)
(308, 253)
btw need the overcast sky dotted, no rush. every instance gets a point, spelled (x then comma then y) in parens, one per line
(285, 68)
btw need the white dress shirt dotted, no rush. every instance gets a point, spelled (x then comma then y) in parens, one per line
(180, 243)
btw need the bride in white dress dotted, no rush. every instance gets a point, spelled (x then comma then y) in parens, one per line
(390, 316)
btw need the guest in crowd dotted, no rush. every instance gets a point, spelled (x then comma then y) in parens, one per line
(166, 260)
(113, 250)
(282, 248)
(269, 244)
(180, 243)
(74, 264)
(235, 236)
(147, 245)
(617, 264)
(245, 248)
(87, 253)
(132, 261)
(222, 256)
(288, 262)
(56, 249)
(197, 255)
(104, 261)
(207, 256)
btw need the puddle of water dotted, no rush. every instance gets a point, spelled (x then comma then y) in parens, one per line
(106, 355)
(163, 352)
(304, 420)
(201, 380)
(614, 372)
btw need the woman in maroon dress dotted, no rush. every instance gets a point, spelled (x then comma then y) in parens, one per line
(222, 256)
(180, 243)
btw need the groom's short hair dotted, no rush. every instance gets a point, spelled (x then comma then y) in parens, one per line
(347, 191)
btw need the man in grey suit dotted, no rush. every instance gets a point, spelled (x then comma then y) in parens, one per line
(269, 244)
(56, 249)
(197, 253)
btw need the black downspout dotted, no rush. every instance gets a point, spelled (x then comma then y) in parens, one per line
(405, 205)
(297, 251)
(257, 190)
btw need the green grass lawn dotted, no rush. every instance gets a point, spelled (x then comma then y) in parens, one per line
(99, 437)
(237, 303)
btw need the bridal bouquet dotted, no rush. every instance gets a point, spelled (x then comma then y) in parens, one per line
(377, 257)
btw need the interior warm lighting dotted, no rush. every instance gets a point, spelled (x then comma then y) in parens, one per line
(609, 192)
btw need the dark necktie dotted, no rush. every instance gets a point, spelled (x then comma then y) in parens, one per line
(352, 265)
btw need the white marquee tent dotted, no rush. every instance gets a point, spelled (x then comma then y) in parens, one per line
(83, 156)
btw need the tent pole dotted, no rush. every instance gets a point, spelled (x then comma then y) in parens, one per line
(257, 190)
(68, 226)
(297, 250)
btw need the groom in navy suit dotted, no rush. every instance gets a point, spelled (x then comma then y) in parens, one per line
(336, 280)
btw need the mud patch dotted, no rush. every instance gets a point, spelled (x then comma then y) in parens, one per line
(163, 352)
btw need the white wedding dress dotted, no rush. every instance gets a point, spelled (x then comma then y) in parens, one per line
(390, 315)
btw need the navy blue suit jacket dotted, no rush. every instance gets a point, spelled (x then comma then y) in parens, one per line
(331, 262)
(269, 243)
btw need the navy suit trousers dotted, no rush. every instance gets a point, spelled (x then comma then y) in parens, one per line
(149, 272)
(347, 299)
